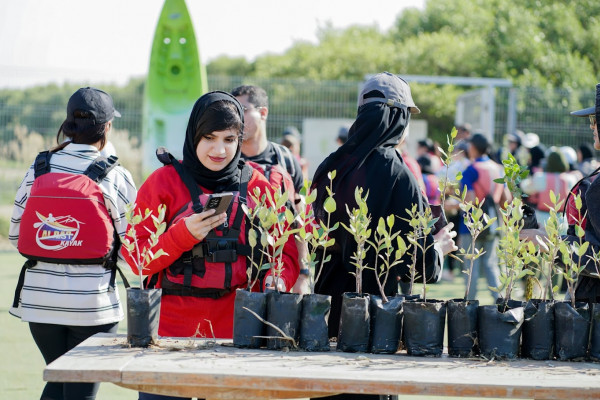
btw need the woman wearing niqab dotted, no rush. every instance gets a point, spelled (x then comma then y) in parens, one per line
(369, 160)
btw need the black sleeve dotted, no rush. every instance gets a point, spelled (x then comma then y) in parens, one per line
(296, 173)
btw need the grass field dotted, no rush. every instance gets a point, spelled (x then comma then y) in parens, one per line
(21, 365)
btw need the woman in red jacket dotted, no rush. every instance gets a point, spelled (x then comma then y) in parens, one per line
(206, 259)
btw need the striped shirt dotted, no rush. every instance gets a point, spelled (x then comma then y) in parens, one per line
(73, 294)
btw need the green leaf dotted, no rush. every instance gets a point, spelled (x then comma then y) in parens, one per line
(578, 202)
(252, 237)
(581, 251)
(329, 205)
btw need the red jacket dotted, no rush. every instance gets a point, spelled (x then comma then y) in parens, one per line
(183, 316)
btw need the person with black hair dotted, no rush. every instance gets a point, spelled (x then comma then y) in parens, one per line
(66, 302)
(479, 180)
(201, 271)
(586, 161)
(255, 146)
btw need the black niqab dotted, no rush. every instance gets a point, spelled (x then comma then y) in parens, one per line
(229, 176)
(377, 126)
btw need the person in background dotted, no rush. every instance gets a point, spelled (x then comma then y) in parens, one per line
(511, 144)
(555, 177)
(460, 161)
(570, 155)
(66, 303)
(342, 135)
(588, 284)
(255, 146)
(479, 179)
(432, 190)
(463, 131)
(586, 161)
(291, 139)
(427, 147)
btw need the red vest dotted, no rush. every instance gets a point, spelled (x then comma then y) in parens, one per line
(559, 183)
(487, 171)
(217, 265)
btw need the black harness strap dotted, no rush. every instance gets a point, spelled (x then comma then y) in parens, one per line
(28, 264)
(41, 165)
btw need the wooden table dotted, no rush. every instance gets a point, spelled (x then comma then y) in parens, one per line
(201, 368)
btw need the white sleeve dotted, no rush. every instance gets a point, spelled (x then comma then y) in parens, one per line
(19, 206)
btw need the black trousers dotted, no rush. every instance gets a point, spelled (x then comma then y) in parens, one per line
(54, 341)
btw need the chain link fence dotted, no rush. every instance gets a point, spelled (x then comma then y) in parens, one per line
(543, 111)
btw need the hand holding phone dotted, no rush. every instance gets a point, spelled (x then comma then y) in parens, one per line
(219, 202)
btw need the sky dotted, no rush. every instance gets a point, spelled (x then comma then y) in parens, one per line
(109, 41)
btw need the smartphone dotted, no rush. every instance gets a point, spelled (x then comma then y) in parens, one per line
(438, 212)
(219, 201)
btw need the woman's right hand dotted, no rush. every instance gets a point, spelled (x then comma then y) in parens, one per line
(202, 223)
(445, 239)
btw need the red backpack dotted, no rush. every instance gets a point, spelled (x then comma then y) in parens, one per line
(65, 220)
(277, 176)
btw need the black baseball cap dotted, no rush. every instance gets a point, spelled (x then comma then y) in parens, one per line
(584, 112)
(92, 100)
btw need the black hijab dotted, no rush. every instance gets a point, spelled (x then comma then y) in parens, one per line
(377, 126)
(229, 176)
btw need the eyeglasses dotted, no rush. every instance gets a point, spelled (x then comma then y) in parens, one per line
(246, 109)
(592, 119)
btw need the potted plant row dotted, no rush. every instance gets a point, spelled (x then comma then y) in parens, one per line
(284, 319)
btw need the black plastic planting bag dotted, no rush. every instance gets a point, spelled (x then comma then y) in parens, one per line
(538, 330)
(283, 311)
(143, 315)
(499, 332)
(462, 328)
(313, 324)
(246, 326)
(386, 324)
(354, 330)
(595, 336)
(572, 330)
(424, 324)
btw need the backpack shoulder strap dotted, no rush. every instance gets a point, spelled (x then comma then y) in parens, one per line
(246, 174)
(41, 165)
(168, 159)
(285, 158)
(100, 167)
